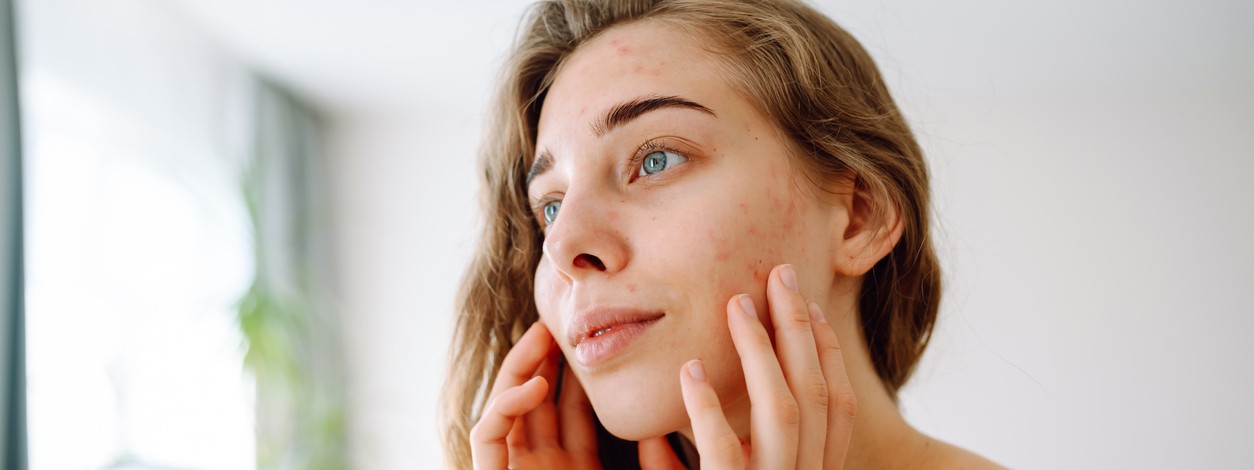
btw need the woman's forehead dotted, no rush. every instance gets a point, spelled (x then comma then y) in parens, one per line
(628, 63)
(642, 58)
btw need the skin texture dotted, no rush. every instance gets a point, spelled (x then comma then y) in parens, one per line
(682, 241)
(736, 220)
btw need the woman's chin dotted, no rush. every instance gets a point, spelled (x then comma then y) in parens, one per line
(628, 423)
(638, 410)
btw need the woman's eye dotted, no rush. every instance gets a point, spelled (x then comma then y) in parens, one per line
(550, 211)
(660, 160)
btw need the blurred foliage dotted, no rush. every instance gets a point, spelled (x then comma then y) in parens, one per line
(291, 346)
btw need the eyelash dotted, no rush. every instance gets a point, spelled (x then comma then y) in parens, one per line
(653, 145)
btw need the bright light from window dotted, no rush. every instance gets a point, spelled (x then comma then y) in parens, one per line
(135, 258)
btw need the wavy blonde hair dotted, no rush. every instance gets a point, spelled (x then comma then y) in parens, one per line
(814, 80)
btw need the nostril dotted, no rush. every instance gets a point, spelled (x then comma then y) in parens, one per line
(586, 260)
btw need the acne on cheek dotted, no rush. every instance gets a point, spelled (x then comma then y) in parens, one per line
(721, 251)
(790, 211)
(790, 216)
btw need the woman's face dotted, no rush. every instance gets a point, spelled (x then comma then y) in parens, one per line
(675, 194)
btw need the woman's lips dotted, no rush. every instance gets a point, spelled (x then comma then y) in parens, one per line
(600, 335)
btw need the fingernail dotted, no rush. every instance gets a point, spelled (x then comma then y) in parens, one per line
(696, 370)
(815, 313)
(789, 276)
(746, 304)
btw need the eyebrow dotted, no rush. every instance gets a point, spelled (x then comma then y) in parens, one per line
(619, 116)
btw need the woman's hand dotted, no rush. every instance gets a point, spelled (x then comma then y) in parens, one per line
(802, 404)
(519, 427)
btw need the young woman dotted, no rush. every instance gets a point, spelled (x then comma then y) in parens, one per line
(707, 243)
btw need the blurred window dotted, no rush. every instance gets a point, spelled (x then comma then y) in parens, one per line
(137, 242)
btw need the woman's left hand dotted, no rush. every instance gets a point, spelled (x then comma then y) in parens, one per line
(802, 405)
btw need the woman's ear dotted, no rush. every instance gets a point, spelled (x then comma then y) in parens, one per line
(868, 229)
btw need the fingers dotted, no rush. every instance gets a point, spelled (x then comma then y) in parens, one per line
(578, 431)
(795, 346)
(523, 359)
(843, 405)
(774, 413)
(717, 444)
(656, 454)
(488, 437)
(541, 422)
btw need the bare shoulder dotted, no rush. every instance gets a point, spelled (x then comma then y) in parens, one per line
(940, 454)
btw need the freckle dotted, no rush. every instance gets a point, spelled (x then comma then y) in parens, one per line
(631, 287)
(638, 68)
(753, 230)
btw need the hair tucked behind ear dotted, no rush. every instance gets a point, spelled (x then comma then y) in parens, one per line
(808, 75)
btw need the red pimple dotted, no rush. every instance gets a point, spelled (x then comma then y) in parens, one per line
(791, 215)
(744, 207)
(631, 287)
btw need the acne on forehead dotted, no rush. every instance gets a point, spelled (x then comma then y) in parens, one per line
(599, 74)
(639, 42)
(622, 48)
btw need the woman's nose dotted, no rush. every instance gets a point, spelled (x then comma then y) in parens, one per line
(583, 240)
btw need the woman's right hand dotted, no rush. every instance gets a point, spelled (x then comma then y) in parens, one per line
(521, 427)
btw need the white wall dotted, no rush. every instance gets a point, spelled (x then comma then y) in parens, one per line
(406, 217)
(1093, 221)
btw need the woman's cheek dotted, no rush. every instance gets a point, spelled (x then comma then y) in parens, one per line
(547, 294)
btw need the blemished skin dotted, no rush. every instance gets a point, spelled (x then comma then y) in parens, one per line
(681, 241)
(724, 210)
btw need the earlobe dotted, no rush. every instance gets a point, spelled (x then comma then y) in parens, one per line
(872, 226)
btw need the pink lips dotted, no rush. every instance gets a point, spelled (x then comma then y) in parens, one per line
(600, 334)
